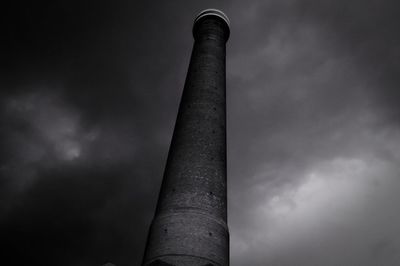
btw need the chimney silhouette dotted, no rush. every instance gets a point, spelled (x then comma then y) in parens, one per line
(190, 222)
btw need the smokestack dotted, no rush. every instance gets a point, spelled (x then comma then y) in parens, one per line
(190, 222)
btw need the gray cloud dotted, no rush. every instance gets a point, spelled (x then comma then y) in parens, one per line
(303, 98)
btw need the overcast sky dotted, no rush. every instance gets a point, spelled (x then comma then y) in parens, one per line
(89, 96)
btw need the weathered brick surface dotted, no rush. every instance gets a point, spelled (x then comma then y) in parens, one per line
(190, 224)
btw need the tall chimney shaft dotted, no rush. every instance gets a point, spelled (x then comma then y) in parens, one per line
(190, 223)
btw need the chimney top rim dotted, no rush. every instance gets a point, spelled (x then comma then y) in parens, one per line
(212, 12)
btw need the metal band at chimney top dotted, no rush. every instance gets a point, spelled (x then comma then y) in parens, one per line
(190, 222)
(212, 12)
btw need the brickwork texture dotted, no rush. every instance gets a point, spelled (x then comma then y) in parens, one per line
(190, 223)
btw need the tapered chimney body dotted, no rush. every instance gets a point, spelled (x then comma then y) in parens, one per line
(190, 223)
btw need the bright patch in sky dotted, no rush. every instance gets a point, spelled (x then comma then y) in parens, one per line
(68, 149)
(329, 190)
(338, 201)
(55, 123)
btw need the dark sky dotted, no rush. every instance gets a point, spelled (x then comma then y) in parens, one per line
(89, 96)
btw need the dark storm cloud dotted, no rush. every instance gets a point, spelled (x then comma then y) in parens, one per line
(89, 98)
(65, 185)
(366, 30)
(316, 87)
